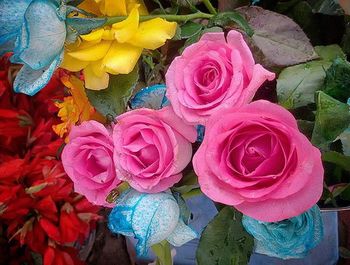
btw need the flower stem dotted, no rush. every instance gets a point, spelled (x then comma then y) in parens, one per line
(176, 18)
(210, 7)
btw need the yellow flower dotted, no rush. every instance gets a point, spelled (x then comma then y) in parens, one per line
(115, 49)
(75, 108)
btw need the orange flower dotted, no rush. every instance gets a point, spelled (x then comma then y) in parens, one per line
(75, 108)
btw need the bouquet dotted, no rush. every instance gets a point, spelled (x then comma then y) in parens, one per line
(244, 102)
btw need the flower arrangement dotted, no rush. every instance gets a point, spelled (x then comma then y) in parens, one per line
(164, 100)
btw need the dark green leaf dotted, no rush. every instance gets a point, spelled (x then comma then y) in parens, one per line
(185, 212)
(337, 82)
(344, 252)
(224, 241)
(84, 25)
(337, 158)
(327, 7)
(306, 127)
(74, 2)
(345, 195)
(197, 36)
(190, 29)
(112, 101)
(187, 183)
(332, 118)
(227, 18)
(296, 85)
(37, 258)
(280, 40)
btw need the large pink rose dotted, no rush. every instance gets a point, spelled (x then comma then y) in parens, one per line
(255, 159)
(214, 73)
(88, 161)
(151, 148)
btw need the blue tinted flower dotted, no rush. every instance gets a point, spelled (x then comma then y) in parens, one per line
(291, 238)
(152, 97)
(11, 19)
(40, 32)
(150, 218)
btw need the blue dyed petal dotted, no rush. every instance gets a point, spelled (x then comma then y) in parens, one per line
(181, 235)
(7, 46)
(200, 133)
(29, 81)
(152, 97)
(43, 35)
(287, 239)
(11, 19)
(150, 218)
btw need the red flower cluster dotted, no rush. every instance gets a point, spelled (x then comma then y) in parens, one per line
(39, 212)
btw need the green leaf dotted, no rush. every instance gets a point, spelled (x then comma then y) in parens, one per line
(337, 158)
(296, 85)
(227, 18)
(337, 82)
(344, 253)
(332, 118)
(306, 127)
(330, 52)
(224, 241)
(112, 101)
(187, 183)
(328, 7)
(185, 212)
(84, 25)
(190, 29)
(197, 36)
(163, 252)
(278, 38)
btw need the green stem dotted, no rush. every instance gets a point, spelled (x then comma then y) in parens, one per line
(176, 18)
(210, 7)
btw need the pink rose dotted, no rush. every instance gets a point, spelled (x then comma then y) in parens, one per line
(88, 161)
(214, 73)
(255, 159)
(151, 148)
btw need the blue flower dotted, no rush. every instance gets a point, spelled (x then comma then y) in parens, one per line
(152, 97)
(291, 238)
(11, 19)
(150, 218)
(39, 30)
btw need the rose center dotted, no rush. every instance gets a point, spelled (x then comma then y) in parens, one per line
(147, 155)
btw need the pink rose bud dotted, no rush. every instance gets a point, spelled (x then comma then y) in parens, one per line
(88, 161)
(213, 74)
(255, 159)
(151, 148)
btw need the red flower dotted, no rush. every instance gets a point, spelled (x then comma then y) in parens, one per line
(38, 207)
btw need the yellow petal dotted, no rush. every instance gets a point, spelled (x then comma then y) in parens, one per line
(108, 34)
(95, 35)
(121, 58)
(93, 81)
(93, 53)
(113, 7)
(90, 6)
(153, 33)
(125, 29)
(98, 68)
(142, 9)
(71, 64)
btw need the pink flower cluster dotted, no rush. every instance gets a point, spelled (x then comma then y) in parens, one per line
(253, 156)
(147, 148)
